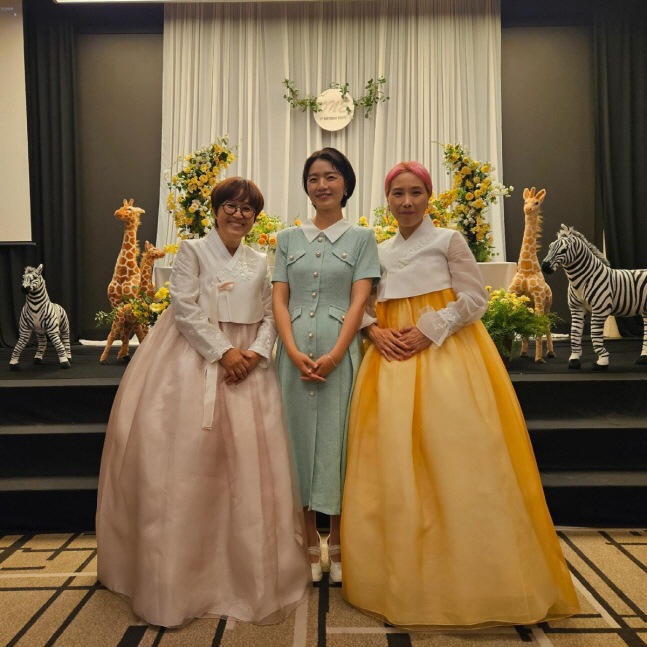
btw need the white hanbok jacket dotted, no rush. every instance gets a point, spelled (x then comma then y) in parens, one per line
(209, 285)
(432, 259)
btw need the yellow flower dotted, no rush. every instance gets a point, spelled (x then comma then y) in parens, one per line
(205, 191)
(479, 204)
(162, 293)
(193, 208)
(262, 239)
(157, 307)
(187, 157)
(203, 178)
(391, 230)
(478, 193)
(469, 196)
(297, 223)
(175, 179)
(205, 222)
(485, 168)
(454, 157)
(488, 288)
(363, 221)
(171, 249)
(187, 169)
(213, 181)
(466, 170)
(272, 241)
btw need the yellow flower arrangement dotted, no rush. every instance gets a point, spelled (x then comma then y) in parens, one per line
(190, 188)
(385, 225)
(465, 204)
(263, 233)
(145, 310)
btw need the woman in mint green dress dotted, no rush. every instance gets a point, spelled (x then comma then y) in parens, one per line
(322, 280)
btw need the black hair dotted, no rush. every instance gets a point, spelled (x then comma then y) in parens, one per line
(339, 162)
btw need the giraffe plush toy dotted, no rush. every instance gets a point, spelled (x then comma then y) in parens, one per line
(529, 280)
(126, 272)
(124, 323)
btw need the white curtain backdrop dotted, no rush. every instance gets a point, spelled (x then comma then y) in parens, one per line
(224, 65)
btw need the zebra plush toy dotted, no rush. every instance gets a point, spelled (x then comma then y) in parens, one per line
(595, 287)
(46, 318)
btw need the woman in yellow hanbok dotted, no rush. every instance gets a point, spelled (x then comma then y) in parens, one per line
(444, 518)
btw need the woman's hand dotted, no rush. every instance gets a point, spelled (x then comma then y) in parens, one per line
(389, 342)
(306, 366)
(236, 364)
(415, 340)
(253, 359)
(324, 367)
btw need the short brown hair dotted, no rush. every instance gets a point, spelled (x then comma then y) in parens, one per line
(237, 188)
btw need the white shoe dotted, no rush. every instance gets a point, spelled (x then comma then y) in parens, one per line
(335, 567)
(315, 567)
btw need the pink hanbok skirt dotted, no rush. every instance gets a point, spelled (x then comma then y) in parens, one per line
(195, 523)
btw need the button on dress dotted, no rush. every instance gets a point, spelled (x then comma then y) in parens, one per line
(320, 274)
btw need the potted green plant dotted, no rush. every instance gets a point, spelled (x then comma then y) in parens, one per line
(509, 318)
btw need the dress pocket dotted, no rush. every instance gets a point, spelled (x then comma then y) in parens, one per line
(294, 256)
(344, 256)
(337, 313)
(295, 313)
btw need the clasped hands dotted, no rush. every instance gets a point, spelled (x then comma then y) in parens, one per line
(313, 370)
(395, 344)
(239, 364)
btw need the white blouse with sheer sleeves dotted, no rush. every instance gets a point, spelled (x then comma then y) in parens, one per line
(432, 259)
(209, 285)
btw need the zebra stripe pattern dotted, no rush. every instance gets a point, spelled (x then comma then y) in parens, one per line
(47, 319)
(595, 287)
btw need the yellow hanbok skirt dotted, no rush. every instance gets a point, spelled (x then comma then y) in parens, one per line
(444, 520)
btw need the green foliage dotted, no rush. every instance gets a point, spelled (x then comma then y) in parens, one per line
(366, 102)
(292, 97)
(508, 319)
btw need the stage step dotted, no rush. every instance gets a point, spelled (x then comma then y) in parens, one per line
(51, 450)
(596, 498)
(56, 401)
(53, 504)
(579, 394)
(610, 442)
(588, 430)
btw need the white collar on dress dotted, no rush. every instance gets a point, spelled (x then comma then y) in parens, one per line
(426, 227)
(220, 247)
(332, 233)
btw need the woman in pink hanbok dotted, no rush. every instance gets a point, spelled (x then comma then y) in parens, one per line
(197, 512)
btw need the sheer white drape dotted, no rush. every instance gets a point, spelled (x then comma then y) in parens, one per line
(224, 65)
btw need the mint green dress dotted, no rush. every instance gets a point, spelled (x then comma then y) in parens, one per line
(320, 275)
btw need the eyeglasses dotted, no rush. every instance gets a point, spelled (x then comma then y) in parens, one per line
(245, 211)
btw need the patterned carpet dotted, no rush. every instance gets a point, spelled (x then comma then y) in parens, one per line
(49, 595)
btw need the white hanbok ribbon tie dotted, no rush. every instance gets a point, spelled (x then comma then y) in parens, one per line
(211, 370)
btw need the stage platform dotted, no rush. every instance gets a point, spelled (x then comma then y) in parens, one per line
(588, 430)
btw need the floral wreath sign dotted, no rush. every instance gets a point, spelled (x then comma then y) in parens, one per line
(336, 109)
